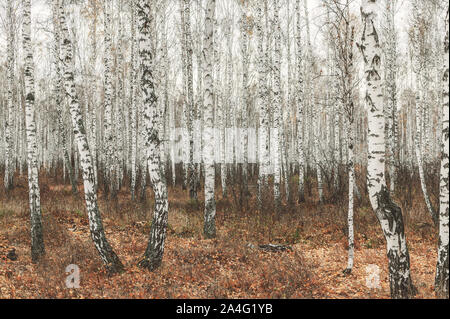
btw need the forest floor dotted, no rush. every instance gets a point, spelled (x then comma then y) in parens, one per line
(194, 267)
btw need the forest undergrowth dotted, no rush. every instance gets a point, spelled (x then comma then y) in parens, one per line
(229, 266)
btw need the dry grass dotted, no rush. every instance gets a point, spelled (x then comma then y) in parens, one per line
(194, 267)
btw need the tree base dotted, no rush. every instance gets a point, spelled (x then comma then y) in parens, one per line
(347, 271)
(116, 268)
(36, 255)
(209, 235)
(146, 263)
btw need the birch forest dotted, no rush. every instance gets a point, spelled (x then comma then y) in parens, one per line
(224, 149)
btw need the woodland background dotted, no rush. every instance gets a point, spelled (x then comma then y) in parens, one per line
(159, 145)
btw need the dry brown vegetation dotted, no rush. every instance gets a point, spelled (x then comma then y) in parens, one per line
(193, 267)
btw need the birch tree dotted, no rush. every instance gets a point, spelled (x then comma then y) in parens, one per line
(421, 52)
(58, 96)
(300, 107)
(108, 256)
(95, 88)
(210, 205)
(245, 32)
(190, 99)
(388, 213)
(277, 106)
(442, 268)
(9, 172)
(133, 99)
(37, 238)
(342, 31)
(263, 148)
(108, 146)
(391, 89)
(153, 255)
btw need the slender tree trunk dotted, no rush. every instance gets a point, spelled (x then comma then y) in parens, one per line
(263, 112)
(308, 95)
(387, 212)
(95, 97)
(185, 139)
(442, 270)
(391, 89)
(300, 108)
(210, 204)
(190, 101)
(59, 99)
(351, 184)
(317, 155)
(106, 252)
(245, 31)
(108, 118)
(219, 109)
(154, 253)
(8, 179)
(133, 94)
(37, 238)
(277, 107)
(419, 156)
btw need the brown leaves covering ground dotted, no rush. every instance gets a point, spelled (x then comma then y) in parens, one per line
(193, 267)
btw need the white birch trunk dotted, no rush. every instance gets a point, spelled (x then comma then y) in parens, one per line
(210, 204)
(133, 105)
(108, 147)
(387, 212)
(9, 172)
(107, 255)
(59, 98)
(277, 107)
(245, 31)
(419, 157)
(190, 100)
(442, 267)
(391, 89)
(300, 108)
(37, 238)
(262, 106)
(351, 186)
(154, 253)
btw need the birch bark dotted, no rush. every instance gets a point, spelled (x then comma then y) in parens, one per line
(108, 146)
(190, 100)
(8, 179)
(262, 105)
(154, 253)
(277, 106)
(442, 270)
(37, 238)
(133, 101)
(391, 89)
(210, 204)
(388, 213)
(245, 31)
(59, 97)
(300, 107)
(106, 252)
